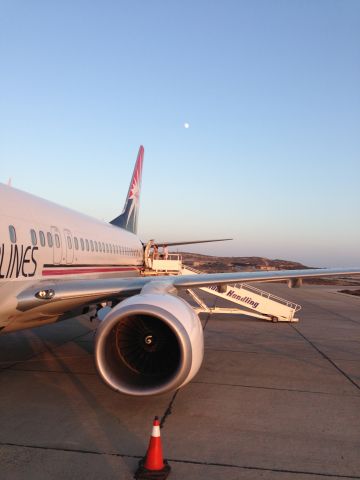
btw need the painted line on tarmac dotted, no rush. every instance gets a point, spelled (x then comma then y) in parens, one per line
(189, 462)
(327, 358)
(292, 390)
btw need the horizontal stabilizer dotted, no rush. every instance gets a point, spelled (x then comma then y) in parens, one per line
(189, 242)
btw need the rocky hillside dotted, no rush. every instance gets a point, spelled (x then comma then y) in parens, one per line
(211, 264)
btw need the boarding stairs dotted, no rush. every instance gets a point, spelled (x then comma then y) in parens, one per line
(255, 302)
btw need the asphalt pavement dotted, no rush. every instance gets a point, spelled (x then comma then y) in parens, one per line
(271, 401)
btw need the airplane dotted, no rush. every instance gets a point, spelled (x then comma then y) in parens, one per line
(56, 263)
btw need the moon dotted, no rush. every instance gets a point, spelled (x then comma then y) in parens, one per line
(186, 125)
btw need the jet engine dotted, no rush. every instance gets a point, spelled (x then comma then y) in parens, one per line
(294, 282)
(149, 344)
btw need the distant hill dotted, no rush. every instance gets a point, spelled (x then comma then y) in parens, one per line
(209, 263)
(212, 264)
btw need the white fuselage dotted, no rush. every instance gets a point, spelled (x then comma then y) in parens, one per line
(40, 240)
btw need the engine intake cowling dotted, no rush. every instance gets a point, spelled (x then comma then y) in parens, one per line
(149, 344)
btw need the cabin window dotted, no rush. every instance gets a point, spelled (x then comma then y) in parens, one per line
(33, 237)
(92, 245)
(42, 238)
(87, 244)
(49, 239)
(96, 245)
(82, 243)
(107, 247)
(76, 243)
(12, 233)
(100, 247)
(69, 242)
(103, 247)
(57, 240)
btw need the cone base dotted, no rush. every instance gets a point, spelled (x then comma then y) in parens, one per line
(143, 473)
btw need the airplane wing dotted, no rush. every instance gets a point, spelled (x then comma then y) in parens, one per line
(150, 343)
(55, 298)
(201, 280)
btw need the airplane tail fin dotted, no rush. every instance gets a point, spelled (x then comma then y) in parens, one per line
(129, 217)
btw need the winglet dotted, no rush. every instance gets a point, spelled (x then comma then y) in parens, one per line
(129, 216)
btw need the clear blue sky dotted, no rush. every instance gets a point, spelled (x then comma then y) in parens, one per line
(271, 90)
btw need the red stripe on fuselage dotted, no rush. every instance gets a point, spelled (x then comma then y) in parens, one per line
(78, 271)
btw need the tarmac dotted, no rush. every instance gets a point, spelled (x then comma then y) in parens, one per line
(271, 401)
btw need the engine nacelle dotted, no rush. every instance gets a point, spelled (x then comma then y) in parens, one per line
(294, 282)
(149, 344)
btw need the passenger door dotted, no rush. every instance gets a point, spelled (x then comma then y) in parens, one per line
(57, 245)
(69, 246)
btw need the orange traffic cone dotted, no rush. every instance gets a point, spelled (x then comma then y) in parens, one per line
(153, 466)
